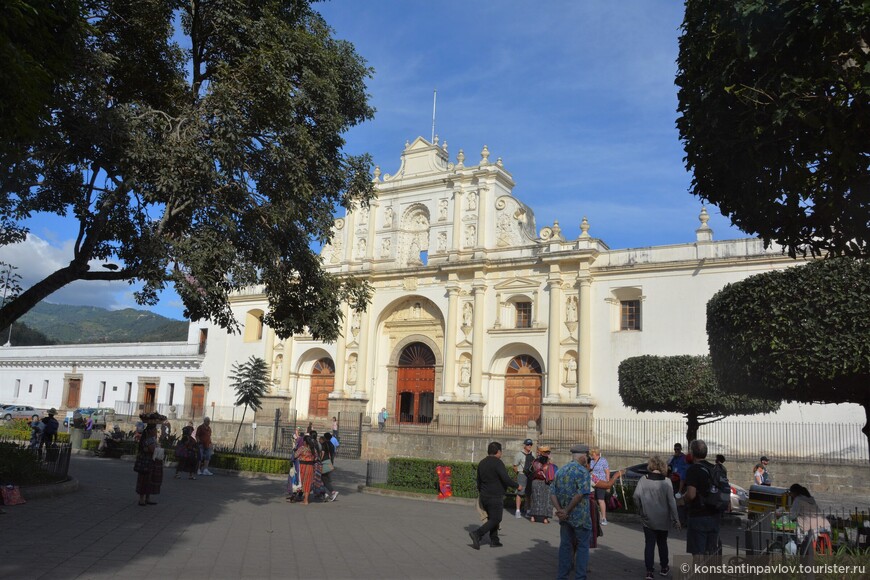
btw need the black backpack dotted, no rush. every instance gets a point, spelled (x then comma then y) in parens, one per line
(718, 495)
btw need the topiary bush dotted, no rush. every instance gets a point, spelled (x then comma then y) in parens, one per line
(242, 463)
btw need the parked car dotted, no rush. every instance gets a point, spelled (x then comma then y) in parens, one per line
(98, 414)
(739, 495)
(21, 412)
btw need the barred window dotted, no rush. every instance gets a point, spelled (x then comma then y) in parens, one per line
(630, 315)
(524, 314)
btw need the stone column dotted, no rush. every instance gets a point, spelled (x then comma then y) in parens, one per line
(482, 203)
(477, 342)
(341, 356)
(448, 393)
(554, 331)
(362, 377)
(371, 251)
(456, 243)
(584, 335)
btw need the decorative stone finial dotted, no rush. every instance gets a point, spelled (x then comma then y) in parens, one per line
(705, 232)
(499, 162)
(377, 173)
(704, 217)
(436, 140)
(407, 143)
(557, 231)
(584, 228)
(460, 158)
(444, 145)
(484, 156)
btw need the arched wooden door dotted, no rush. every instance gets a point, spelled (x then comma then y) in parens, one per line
(415, 388)
(322, 383)
(522, 391)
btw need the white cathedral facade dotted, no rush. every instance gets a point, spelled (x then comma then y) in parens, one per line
(475, 312)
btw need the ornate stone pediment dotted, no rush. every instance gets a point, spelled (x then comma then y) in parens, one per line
(517, 284)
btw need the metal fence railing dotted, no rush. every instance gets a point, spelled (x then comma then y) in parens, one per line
(735, 438)
(377, 472)
(132, 409)
(53, 459)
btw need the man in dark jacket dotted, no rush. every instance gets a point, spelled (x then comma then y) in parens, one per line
(492, 483)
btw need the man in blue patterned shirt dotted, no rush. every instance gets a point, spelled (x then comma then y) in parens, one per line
(570, 498)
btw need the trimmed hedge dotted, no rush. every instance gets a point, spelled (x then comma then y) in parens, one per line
(10, 432)
(410, 474)
(242, 463)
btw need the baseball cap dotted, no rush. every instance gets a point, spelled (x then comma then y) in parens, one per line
(528, 442)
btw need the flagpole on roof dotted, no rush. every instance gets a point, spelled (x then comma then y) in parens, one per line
(434, 100)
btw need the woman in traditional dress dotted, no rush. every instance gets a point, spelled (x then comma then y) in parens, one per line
(150, 471)
(543, 473)
(307, 456)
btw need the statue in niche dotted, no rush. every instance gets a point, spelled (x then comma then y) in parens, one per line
(465, 373)
(416, 311)
(504, 235)
(363, 215)
(355, 323)
(385, 248)
(571, 310)
(414, 252)
(467, 314)
(472, 201)
(351, 372)
(361, 248)
(442, 242)
(442, 210)
(336, 251)
(470, 235)
(571, 371)
(388, 217)
(277, 368)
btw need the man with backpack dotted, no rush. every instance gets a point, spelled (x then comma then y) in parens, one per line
(707, 496)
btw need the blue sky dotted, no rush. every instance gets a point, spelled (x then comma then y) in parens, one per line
(577, 98)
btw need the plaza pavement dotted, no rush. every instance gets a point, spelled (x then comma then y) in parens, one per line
(234, 527)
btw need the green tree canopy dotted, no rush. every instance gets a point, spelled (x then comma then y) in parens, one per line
(250, 381)
(210, 164)
(775, 115)
(683, 384)
(801, 334)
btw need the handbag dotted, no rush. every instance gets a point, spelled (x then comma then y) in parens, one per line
(11, 495)
(613, 503)
(327, 466)
(159, 454)
(143, 464)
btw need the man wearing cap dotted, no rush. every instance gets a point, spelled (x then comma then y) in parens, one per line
(765, 476)
(492, 483)
(523, 464)
(570, 498)
(49, 432)
(702, 534)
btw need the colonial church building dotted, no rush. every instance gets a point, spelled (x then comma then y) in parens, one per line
(477, 312)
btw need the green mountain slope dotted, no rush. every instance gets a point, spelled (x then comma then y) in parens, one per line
(90, 324)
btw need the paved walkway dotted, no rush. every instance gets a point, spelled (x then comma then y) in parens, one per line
(233, 527)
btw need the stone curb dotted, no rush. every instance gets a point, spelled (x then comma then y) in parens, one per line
(29, 492)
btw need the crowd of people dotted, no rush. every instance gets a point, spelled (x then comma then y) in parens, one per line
(311, 470)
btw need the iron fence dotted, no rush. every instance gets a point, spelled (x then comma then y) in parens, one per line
(53, 459)
(132, 409)
(377, 472)
(735, 438)
(771, 533)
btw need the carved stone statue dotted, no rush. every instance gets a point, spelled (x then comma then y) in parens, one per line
(277, 368)
(472, 201)
(361, 248)
(470, 236)
(465, 373)
(388, 217)
(337, 249)
(351, 372)
(355, 323)
(442, 210)
(571, 310)
(385, 248)
(571, 371)
(467, 314)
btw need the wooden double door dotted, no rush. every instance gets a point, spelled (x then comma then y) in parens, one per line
(522, 391)
(415, 385)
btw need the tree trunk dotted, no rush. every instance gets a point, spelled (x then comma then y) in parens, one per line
(241, 422)
(17, 308)
(692, 425)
